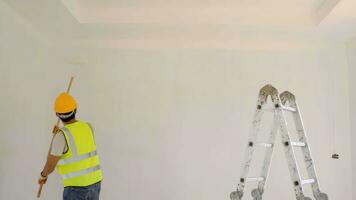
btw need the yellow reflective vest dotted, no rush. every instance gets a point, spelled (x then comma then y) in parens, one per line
(79, 166)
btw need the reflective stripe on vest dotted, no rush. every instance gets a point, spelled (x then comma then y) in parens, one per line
(75, 158)
(81, 172)
(71, 140)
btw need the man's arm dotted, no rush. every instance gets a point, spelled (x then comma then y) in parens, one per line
(50, 164)
(49, 167)
(58, 146)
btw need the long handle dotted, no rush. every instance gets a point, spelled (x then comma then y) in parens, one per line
(57, 124)
(39, 191)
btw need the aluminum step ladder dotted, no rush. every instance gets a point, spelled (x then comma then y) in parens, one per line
(285, 102)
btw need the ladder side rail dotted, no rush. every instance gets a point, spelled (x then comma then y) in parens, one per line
(262, 97)
(289, 152)
(250, 149)
(308, 161)
(287, 96)
(268, 155)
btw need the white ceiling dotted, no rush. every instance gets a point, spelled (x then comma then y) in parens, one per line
(203, 22)
(252, 12)
(119, 3)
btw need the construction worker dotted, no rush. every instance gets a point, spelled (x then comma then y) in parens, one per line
(73, 151)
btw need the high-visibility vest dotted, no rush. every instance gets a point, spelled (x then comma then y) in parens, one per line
(79, 166)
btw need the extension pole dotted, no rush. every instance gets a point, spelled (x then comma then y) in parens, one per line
(54, 132)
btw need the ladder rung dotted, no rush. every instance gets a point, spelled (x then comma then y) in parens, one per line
(307, 181)
(267, 145)
(272, 109)
(268, 109)
(298, 144)
(289, 108)
(254, 179)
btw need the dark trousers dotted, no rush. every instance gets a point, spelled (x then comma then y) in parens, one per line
(90, 192)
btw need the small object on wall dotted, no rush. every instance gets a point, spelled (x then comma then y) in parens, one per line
(335, 156)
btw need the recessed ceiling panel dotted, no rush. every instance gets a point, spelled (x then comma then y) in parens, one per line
(245, 12)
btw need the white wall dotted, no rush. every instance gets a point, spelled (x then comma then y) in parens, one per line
(352, 85)
(171, 123)
(25, 108)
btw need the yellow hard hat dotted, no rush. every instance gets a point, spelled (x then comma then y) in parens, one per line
(64, 103)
